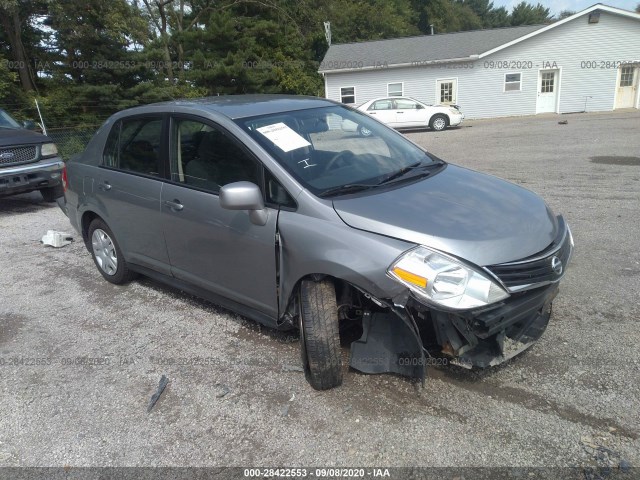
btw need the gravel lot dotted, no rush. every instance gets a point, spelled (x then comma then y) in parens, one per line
(246, 404)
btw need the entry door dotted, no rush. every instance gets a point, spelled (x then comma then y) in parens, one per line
(447, 91)
(547, 91)
(214, 248)
(627, 87)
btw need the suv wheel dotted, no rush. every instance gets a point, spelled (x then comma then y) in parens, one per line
(50, 194)
(319, 334)
(107, 254)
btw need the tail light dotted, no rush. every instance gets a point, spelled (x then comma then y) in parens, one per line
(65, 182)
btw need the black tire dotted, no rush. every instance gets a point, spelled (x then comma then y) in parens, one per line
(319, 334)
(50, 194)
(438, 122)
(121, 273)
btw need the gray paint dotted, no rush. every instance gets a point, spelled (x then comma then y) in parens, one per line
(467, 214)
(223, 252)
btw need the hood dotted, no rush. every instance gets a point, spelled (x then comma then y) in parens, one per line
(471, 215)
(21, 136)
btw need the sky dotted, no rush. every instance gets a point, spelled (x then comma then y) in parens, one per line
(556, 6)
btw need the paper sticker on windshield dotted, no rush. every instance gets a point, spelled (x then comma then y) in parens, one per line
(284, 137)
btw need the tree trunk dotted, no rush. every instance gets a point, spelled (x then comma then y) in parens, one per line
(165, 42)
(12, 25)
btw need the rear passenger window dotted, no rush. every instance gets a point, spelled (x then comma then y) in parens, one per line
(134, 145)
(208, 158)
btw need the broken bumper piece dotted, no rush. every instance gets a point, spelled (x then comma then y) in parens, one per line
(405, 344)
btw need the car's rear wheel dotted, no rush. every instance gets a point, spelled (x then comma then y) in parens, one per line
(107, 255)
(438, 122)
(320, 335)
(50, 194)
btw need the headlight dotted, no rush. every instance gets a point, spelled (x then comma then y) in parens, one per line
(441, 280)
(48, 150)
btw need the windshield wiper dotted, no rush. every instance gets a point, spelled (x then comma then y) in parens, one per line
(403, 171)
(344, 189)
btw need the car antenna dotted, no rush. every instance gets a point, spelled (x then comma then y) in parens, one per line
(44, 128)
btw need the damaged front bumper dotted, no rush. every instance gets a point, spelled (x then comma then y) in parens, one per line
(406, 340)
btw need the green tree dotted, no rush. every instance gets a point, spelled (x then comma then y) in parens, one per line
(446, 16)
(527, 14)
(15, 16)
(97, 69)
(565, 14)
(498, 17)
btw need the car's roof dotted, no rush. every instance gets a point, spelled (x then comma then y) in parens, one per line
(394, 98)
(241, 106)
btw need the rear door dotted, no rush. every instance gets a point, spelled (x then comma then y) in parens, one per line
(213, 248)
(128, 186)
(383, 110)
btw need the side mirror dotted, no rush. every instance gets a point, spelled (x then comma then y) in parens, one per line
(29, 124)
(244, 196)
(419, 107)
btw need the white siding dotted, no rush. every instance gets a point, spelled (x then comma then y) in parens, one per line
(481, 89)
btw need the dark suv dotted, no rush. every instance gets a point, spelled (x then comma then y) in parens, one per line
(28, 161)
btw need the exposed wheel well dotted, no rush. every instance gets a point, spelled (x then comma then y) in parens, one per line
(351, 300)
(87, 218)
(446, 117)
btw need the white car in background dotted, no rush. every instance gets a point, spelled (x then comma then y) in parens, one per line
(405, 112)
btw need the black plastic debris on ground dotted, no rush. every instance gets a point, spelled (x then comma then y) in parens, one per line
(161, 386)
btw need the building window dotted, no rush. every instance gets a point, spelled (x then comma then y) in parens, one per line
(394, 90)
(512, 82)
(626, 77)
(348, 94)
(548, 82)
(446, 92)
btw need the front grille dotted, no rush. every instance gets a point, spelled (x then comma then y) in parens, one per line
(539, 270)
(15, 155)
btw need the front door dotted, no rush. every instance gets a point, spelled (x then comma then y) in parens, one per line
(410, 114)
(627, 87)
(547, 91)
(447, 91)
(211, 247)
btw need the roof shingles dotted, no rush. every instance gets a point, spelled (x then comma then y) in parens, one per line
(422, 49)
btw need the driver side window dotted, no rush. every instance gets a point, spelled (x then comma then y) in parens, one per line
(206, 157)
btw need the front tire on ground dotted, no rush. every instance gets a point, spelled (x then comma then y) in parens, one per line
(50, 194)
(107, 255)
(438, 122)
(319, 334)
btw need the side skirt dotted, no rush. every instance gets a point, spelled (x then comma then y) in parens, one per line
(224, 302)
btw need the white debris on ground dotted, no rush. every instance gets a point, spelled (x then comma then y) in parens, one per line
(56, 239)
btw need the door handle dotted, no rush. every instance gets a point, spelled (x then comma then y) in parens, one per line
(399, 112)
(105, 186)
(174, 205)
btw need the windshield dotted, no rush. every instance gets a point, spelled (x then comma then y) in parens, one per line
(6, 121)
(331, 147)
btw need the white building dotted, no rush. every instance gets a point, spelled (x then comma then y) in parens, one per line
(589, 61)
